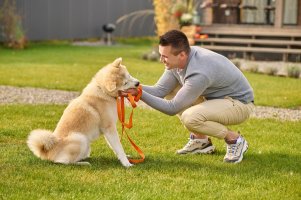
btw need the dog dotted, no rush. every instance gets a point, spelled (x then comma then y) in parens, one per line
(85, 118)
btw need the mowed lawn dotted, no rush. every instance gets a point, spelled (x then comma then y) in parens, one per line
(68, 67)
(271, 168)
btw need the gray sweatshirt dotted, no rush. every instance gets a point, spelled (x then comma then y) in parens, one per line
(207, 74)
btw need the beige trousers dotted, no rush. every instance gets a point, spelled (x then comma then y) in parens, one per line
(210, 117)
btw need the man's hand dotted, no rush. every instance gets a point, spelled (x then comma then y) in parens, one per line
(132, 91)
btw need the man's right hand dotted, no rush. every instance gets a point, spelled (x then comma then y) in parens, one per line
(132, 91)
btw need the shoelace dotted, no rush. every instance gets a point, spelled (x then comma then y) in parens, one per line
(189, 143)
(232, 149)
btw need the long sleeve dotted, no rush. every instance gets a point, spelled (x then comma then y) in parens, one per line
(207, 74)
(164, 86)
(187, 95)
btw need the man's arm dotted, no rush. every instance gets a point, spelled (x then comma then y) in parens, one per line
(167, 83)
(193, 88)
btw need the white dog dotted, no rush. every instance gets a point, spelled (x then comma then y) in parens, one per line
(90, 114)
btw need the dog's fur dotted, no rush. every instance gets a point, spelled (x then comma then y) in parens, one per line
(90, 114)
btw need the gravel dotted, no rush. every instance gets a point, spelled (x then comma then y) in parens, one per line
(28, 95)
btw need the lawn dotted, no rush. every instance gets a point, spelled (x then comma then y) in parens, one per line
(271, 168)
(67, 67)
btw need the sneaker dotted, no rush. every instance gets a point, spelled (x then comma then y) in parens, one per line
(235, 152)
(197, 146)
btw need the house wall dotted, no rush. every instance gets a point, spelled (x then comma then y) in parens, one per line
(79, 19)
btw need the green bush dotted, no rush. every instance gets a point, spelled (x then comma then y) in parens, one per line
(11, 23)
(294, 71)
(271, 70)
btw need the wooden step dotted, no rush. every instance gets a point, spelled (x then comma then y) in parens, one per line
(252, 49)
(250, 41)
(252, 31)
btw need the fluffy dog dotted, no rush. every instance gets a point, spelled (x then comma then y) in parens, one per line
(90, 114)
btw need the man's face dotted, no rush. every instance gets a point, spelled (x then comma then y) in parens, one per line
(168, 59)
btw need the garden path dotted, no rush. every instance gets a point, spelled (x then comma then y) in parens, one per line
(28, 95)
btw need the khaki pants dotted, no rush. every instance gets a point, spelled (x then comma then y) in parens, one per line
(210, 117)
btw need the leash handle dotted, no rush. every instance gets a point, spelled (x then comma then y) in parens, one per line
(129, 125)
(135, 99)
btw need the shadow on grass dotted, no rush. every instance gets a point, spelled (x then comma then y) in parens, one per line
(255, 164)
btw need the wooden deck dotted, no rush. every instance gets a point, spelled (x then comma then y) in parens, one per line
(250, 39)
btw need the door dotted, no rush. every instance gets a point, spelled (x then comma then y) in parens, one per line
(226, 11)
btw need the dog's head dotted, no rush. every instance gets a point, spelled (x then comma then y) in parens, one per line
(115, 77)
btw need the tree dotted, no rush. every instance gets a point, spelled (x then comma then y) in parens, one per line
(11, 26)
(164, 18)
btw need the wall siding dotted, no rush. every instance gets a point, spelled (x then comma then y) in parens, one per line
(80, 19)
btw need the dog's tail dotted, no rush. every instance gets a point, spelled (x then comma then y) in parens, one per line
(40, 142)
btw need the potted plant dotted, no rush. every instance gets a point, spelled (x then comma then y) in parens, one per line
(185, 12)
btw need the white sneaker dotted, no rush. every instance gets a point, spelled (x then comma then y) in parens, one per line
(235, 152)
(197, 146)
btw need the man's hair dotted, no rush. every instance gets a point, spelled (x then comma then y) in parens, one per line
(177, 40)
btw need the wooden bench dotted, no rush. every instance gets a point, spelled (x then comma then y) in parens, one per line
(249, 41)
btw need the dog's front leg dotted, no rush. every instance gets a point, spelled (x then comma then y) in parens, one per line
(113, 140)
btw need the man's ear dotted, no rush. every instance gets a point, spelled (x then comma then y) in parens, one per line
(117, 62)
(182, 54)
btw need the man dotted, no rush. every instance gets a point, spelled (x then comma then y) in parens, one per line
(199, 72)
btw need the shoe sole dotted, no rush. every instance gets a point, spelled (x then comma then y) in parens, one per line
(207, 150)
(244, 150)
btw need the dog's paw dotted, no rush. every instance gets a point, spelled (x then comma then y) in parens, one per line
(127, 164)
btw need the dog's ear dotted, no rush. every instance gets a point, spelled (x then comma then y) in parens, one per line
(110, 86)
(117, 62)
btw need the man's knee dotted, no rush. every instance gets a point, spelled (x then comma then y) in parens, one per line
(190, 120)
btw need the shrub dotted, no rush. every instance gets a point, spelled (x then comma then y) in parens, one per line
(253, 68)
(152, 55)
(294, 71)
(271, 70)
(11, 26)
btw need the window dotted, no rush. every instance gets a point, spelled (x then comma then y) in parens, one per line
(290, 13)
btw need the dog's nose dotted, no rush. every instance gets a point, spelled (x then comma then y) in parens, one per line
(137, 84)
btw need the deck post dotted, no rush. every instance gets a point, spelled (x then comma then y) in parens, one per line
(208, 14)
(278, 13)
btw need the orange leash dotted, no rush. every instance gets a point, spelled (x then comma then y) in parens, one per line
(129, 125)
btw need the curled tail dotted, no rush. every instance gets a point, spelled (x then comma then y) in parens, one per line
(40, 142)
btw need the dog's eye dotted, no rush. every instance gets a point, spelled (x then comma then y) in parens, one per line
(125, 83)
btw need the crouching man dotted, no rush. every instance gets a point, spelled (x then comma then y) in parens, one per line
(191, 72)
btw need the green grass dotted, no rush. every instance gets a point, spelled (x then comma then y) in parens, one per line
(67, 67)
(275, 91)
(271, 168)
